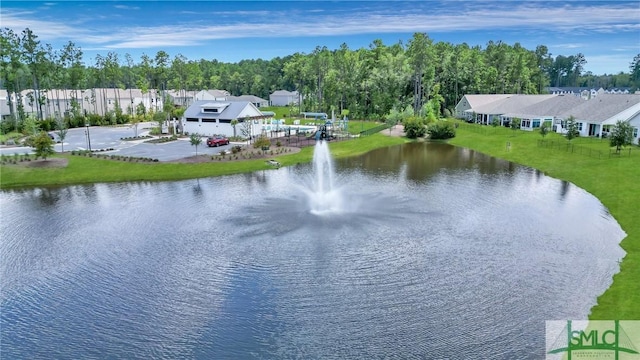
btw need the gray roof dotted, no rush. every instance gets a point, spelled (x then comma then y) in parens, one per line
(602, 107)
(554, 106)
(251, 98)
(476, 100)
(284, 93)
(511, 104)
(232, 111)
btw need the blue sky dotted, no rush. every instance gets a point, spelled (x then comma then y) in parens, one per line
(606, 32)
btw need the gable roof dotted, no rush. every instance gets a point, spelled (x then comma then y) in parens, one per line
(476, 100)
(284, 93)
(217, 93)
(181, 93)
(605, 107)
(553, 106)
(510, 104)
(233, 109)
(251, 98)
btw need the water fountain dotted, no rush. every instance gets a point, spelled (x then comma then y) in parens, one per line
(323, 196)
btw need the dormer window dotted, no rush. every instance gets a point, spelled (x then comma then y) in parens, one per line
(214, 108)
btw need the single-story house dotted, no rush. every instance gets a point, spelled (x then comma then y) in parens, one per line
(284, 98)
(464, 108)
(533, 116)
(486, 111)
(217, 95)
(597, 116)
(255, 100)
(594, 116)
(207, 118)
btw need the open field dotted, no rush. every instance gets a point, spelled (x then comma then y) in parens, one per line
(615, 180)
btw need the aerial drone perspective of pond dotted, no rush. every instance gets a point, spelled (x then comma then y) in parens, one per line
(419, 250)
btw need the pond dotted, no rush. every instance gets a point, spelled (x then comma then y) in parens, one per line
(418, 250)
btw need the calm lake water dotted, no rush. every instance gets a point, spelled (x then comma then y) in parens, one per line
(430, 251)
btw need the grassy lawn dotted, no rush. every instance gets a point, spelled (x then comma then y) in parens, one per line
(615, 180)
(82, 170)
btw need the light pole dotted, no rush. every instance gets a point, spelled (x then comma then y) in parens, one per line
(88, 136)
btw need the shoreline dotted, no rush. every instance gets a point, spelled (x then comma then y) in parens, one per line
(619, 301)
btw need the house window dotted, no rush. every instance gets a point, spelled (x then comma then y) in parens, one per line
(635, 132)
(225, 121)
(192, 119)
(536, 124)
(526, 123)
(209, 120)
(210, 110)
(579, 126)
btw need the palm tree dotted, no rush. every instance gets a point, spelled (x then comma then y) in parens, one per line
(234, 122)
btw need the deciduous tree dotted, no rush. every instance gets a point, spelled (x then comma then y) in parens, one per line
(195, 139)
(621, 135)
(572, 128)
(43, 145)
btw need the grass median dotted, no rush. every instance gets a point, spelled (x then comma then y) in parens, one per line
(589, 164)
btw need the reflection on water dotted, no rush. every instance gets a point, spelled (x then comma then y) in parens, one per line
(437, 246)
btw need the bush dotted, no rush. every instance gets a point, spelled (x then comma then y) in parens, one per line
(414, 128)
(159, 116)
(48, 124)
(75, 121)
(94, 120)
(441, 130)
(262, 142)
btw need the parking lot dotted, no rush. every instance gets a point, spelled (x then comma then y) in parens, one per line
(107, 137)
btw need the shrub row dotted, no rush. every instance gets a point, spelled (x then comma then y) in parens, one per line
(237, 153)
(16, 158)
(163, 139)
(112, 157)
(136, 137)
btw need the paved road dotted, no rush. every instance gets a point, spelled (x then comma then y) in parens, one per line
(106, 137)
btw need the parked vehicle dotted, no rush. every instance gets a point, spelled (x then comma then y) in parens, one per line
(217, 141)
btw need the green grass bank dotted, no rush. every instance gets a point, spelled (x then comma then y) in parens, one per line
(613, 179)
(83, 170)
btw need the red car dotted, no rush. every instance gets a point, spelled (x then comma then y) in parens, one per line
(217, 141)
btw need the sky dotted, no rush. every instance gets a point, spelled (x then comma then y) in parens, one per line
(606, 32)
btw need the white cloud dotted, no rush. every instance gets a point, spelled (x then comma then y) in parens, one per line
(369, 18)
(126, 7)
(570, 46)
(45, 30)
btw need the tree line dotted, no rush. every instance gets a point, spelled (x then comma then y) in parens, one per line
(369, 82)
